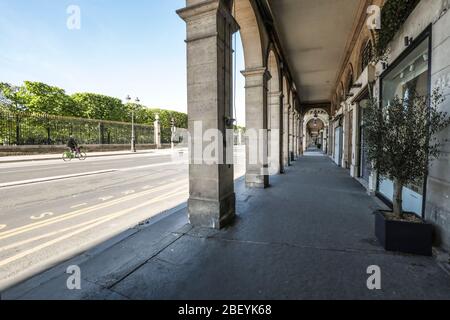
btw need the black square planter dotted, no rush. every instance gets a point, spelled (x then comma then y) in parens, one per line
(403, 236)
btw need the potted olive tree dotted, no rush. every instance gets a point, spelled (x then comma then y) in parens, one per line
(402, 142)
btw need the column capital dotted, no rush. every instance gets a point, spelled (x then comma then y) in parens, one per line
(255, 72)
(256, 77)
(277, 94)
(205, 9)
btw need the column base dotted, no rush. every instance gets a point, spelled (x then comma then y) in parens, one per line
(354, 171)
(212, 214)
(256, 181)
(293, 156)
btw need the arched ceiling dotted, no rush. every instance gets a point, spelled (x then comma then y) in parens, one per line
(314, 126)
(315, 36)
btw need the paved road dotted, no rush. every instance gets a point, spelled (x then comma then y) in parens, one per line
(45, 221)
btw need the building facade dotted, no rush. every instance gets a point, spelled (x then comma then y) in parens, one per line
(417, 60)
(308, 80)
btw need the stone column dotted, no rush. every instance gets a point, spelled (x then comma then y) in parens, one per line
(239, 139)
(256, 127)
(355, 165)
(275, 158)
(210, 27)
(299, 137)
(291, 133)
(157, 132)
(295, 134)
(345, 145)
(304, 133)
(330, 137)
(297, 140)
(286, 157)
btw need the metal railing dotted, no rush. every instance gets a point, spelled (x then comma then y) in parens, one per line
(23, 128)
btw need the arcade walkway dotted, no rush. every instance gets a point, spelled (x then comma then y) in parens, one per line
(309, 236)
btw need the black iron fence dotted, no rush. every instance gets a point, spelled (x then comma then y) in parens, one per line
(21, 128)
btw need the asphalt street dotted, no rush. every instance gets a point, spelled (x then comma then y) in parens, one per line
(52, 210)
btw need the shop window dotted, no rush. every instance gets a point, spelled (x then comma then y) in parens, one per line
(408, 76)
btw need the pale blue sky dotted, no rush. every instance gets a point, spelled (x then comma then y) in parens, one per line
(123, 47)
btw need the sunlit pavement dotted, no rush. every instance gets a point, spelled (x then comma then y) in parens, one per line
(51, 210)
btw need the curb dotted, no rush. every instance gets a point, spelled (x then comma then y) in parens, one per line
(42, 180)
(59, 157)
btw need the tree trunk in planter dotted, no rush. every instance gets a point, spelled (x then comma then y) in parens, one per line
(398, 198)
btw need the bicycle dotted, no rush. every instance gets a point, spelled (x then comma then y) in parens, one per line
(78, 154)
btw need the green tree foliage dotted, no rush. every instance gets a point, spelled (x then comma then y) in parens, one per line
(142, 114)
(165, 117)
(97, 106)
(402, 139)
(39, 97)
(12, 97)
(393, 15)
(42, 98)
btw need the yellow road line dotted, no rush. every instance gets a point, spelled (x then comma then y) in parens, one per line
(33, 226)
(18, 244)
(69, 235)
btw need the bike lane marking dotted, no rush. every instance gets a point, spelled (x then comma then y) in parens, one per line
(36, 225)
(42, 216)
(106, 198)
(69, 235)
(176, 191)
(78, 205)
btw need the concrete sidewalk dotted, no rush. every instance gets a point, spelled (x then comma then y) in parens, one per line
(309, 236)
(43, 157)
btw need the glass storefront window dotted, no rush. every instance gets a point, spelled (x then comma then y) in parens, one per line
(410, 75)
(365, 166)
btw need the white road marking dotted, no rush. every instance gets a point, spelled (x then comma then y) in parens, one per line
(175, 192)
(42, 216)
(128, 192)
(54, 178)
(105, 198)
(78, 205)
(2, 226)
(86, 228)
(80, 212)
(153, 166)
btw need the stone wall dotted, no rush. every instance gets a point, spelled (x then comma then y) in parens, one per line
(31, 150)
(435, 13)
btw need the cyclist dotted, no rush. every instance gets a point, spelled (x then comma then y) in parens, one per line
(73, 145)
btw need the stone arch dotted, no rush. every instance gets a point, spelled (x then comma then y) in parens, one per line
(323, 116)
(275, 114)
(251, 35)
(285, 88)
(341, 94)
(273, 66)
(286, 93)
(365, 54)
(349, 80)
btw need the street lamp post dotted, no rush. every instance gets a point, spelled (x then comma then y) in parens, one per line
(173, 130)
(133, 136)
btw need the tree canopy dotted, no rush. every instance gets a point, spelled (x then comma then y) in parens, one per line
(402, 138)
(38, 97)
